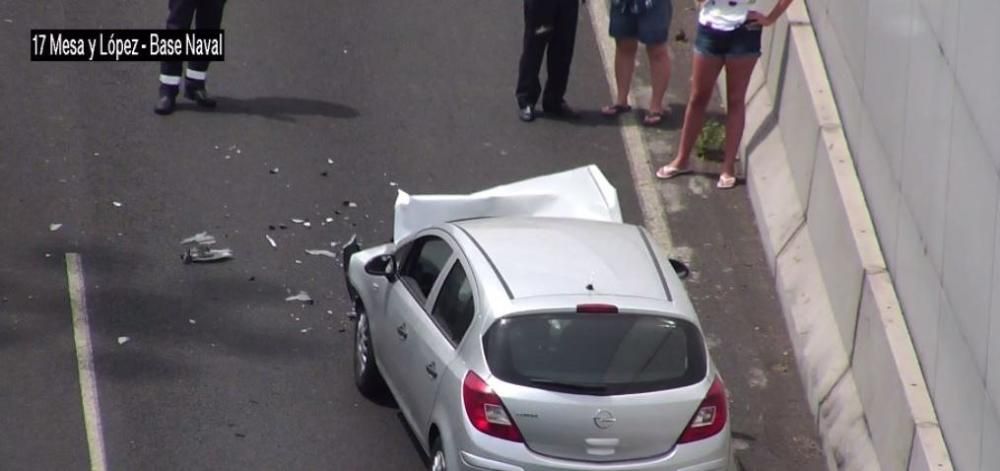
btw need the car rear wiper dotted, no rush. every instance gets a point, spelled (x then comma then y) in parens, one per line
(574, 387)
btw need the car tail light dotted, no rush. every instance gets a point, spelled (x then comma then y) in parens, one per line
(711, 416)
(485, 410)
(597, 309)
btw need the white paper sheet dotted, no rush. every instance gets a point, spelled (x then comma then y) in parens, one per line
(581, 193)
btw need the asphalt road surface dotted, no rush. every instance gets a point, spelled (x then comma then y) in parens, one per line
(207, 367)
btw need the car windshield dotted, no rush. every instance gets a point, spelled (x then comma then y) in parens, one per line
(596, 354)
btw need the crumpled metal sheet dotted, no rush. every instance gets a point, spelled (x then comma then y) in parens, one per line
(581, 193)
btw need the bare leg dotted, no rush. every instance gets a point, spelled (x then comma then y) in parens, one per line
(625, 50)
(659, 69)
(705, 71)
(738, 73)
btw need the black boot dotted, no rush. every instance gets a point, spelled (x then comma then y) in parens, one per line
(199, 95)
(168, 99)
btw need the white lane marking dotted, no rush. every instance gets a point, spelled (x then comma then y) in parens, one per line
(654, 216)
(85, 362)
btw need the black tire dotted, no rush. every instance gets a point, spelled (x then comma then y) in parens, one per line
(438, 459)
(367, 377)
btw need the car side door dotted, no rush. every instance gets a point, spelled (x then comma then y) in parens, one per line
(421, 264)
(435, 339)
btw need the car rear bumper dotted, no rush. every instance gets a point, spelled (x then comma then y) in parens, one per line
(484, 453)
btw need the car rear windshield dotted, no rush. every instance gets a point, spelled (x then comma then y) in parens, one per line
(596, 354)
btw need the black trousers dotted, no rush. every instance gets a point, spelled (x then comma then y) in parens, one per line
(548, 24)
(204, 14)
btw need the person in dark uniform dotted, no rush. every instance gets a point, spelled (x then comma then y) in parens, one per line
(206, 14)
(548, 24)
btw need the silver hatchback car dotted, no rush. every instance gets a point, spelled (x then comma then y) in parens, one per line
(537, 344)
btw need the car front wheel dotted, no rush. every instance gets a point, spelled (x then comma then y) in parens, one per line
(366, 375)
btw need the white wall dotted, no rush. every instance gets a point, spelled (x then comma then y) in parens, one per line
(917, 84)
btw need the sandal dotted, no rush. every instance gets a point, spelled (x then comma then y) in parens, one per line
(615, 110)
(653, 118)
(726, 182)
(668, 171)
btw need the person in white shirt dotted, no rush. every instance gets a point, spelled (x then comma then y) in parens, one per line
(729, 33)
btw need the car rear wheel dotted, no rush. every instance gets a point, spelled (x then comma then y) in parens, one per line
(366, 375)
(438, 461)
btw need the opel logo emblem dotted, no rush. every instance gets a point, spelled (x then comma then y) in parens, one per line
(604, 419)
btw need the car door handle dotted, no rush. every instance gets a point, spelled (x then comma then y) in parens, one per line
(401, 330)
(432, 370)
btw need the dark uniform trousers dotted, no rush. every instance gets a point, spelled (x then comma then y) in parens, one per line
(548, 24)
(205, 14)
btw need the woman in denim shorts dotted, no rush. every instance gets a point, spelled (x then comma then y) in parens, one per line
(648, 22)
(728, 36)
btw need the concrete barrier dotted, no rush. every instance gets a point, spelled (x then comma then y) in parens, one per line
(859, 367)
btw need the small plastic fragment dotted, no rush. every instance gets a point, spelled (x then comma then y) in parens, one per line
(274, 171)
(325, 253)
(117, 204)
(54, 227)
(301, 297)
(122, 340)
(271, 241)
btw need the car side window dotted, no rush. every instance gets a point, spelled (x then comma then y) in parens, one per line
(424, 263)
(454, 306)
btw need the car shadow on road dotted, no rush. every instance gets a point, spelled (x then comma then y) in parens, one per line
(285, 109)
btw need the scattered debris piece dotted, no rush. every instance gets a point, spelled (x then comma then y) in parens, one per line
(200, 252)
(298, 220)
(271, 241)
(324, 173)
(54, 227)
(117, 204)
(274, 171)
(325, 253)
(298, 262)
(301, 297)
(306, 330)
(681, 37)
(329, 161)
(271, 227)
(333, 244)
(282, 226)
(192, 321)
(203, 254)
(307, 224)
(122, 340)
(393, 184)
(329, 220)
(350, 204)
(201, 238)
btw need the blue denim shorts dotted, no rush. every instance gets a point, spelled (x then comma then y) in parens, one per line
(648, 25)
(741, 42)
